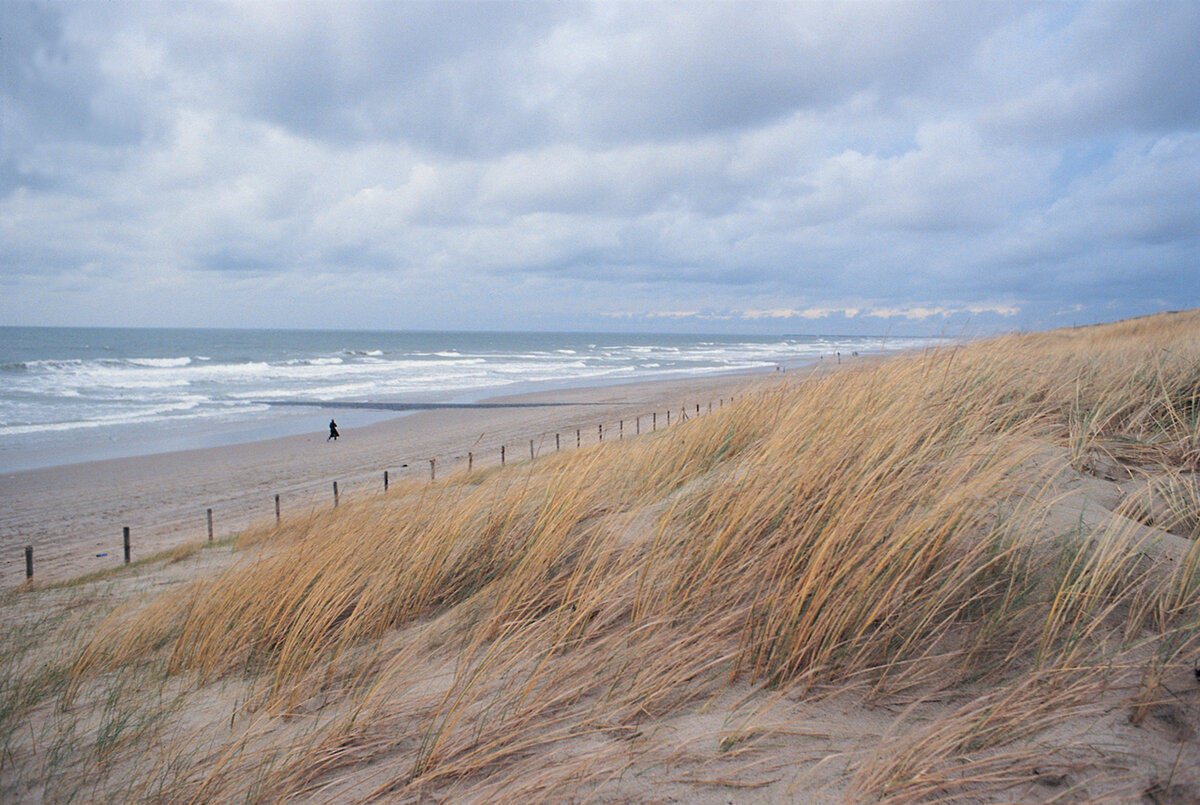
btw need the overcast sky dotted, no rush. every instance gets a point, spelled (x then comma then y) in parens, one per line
(825, 167)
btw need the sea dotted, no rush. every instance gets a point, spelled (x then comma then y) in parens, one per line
(72, 394)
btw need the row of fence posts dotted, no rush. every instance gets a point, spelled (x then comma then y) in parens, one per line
(432, 475)
(127, 546)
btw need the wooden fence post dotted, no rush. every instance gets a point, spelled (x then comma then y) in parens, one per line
(125, 541)
(470, 461)
(335, 495)
(277, 508)
(531, 449)
(577, 438)
(621, 429)
(210, 530)
(668, 417)
(501, 455)
(654, 421)
(385, 480)
(29, 561)
(433, 469)
(638, 432)
(600, 430)
(557, 447)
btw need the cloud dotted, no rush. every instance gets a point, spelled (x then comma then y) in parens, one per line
(923, 313)
(918, 313)
(752, 165)
(811, 313)
(660, 314)
(1108, 69)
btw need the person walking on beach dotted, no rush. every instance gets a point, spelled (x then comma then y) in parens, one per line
(333, 434)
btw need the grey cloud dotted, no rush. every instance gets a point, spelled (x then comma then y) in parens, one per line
(49, 93)
(708, 156)
(1146, 59)
(487, 78)
(1115, 68)
(1145, 194)
(444, 76)
(716, 67)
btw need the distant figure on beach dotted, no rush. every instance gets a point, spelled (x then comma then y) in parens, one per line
(333, 434)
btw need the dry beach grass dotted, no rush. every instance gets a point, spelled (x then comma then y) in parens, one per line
(971, 574)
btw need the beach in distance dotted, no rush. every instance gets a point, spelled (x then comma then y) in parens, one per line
(73, 515)
(148, 429)
(81, 394)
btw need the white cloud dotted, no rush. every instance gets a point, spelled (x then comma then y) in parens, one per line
(755, 165)
(921, 313)
(811, 313)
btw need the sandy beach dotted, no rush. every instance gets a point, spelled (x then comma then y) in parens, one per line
(73, 515)
(943, 577)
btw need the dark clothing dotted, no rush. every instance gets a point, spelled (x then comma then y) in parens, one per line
(333, 434)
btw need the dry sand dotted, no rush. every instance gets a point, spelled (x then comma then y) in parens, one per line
(73, 514)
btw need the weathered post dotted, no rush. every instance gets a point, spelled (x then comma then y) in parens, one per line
(577, 438)
(125, 540)
(531, 449)
(697, 409)
(210, 530)
(668, 417)
(335, 495)
(433, 469)
(600, 430)
(501, 455)
(29, 561)
(470, 461)
(654, 421)
(557, 447)
(385, 480)
(621, 429)
(277, 508)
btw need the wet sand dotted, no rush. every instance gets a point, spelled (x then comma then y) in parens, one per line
(72, 514)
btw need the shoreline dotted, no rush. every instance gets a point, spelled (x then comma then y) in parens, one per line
(83, 394)
(73, 514)
(294, 417)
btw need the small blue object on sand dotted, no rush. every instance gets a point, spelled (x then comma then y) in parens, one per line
(101, 554)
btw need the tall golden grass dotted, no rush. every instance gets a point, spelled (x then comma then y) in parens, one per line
(880, 529)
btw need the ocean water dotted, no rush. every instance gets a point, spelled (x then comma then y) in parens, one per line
(78, 394)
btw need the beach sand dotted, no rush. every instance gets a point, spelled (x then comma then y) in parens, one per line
(73, 515)
(570, 679)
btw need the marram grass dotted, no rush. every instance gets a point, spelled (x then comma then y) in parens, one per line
(879, 529)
